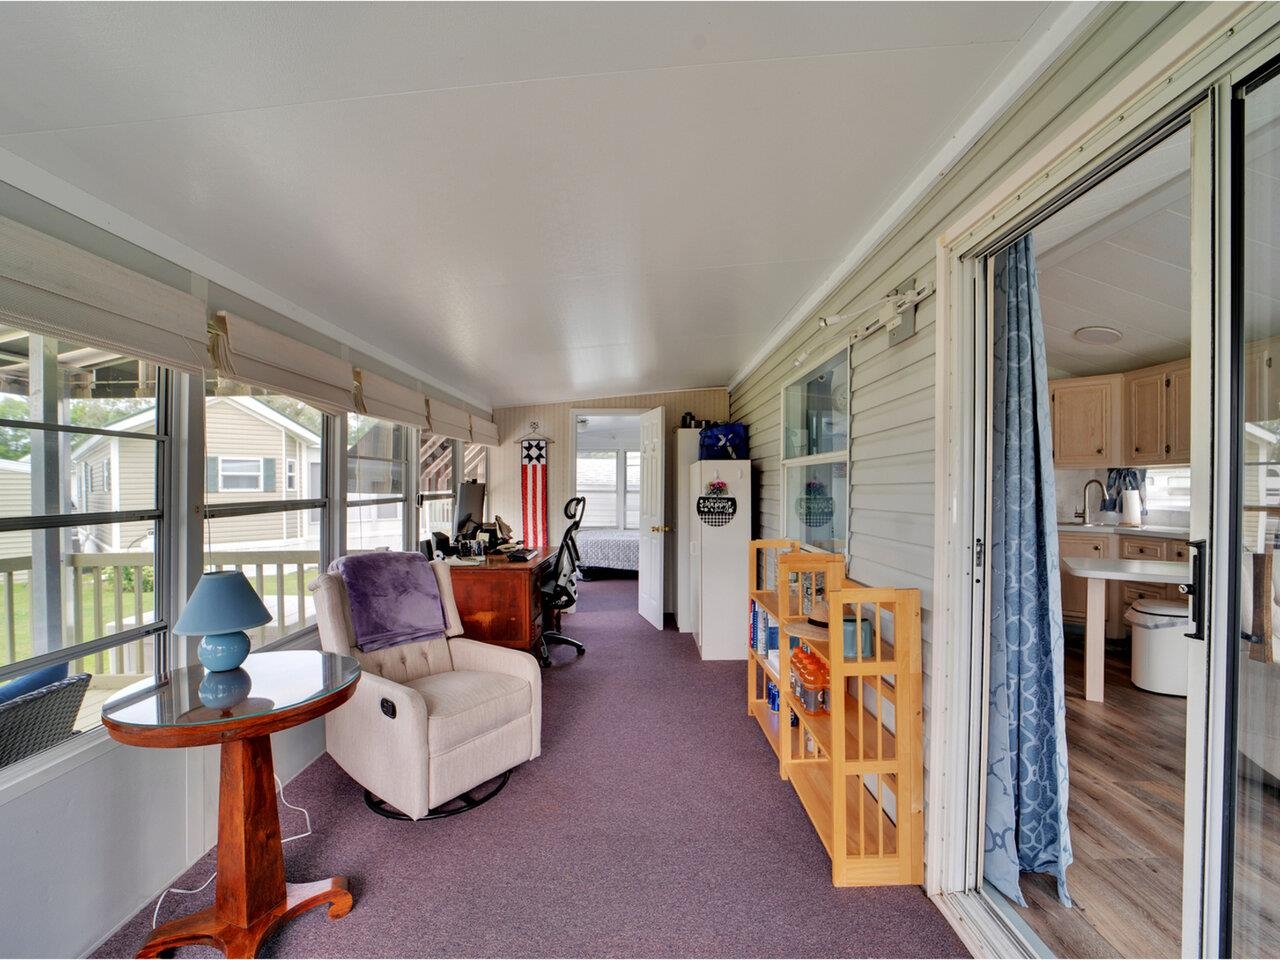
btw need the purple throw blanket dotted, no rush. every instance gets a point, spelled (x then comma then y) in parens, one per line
(394, 598)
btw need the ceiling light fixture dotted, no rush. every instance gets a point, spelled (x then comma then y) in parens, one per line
(1098, 335)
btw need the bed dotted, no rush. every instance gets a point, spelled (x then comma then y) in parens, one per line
(610, 549)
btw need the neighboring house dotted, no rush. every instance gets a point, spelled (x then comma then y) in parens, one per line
(253, 453)
(15, 501)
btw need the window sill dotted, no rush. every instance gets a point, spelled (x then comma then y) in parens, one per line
(19, 779)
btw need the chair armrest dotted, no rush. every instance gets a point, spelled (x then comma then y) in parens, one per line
(373, 689)
(387, 756)
(488, 658)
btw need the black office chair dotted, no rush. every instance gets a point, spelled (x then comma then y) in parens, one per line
(560, 590)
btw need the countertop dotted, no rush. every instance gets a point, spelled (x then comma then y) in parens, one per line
(1164, 533)
(1136, 571)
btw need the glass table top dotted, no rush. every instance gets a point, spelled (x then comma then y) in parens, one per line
(263, 684)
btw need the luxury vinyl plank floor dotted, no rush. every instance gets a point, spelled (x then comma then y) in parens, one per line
(1126, 757)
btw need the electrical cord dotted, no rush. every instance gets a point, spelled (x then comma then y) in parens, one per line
(155, 915)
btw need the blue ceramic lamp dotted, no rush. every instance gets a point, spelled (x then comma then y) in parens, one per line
(222, 606)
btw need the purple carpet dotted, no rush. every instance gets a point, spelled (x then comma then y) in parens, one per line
(653, 825)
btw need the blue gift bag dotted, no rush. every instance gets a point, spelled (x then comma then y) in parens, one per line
(724, 441)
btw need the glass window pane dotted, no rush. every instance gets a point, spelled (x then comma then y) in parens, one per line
(83, 685)
(1256, 884)
(99, 475)
(435, 461)
(816, 504)
(92, 582)
(816, 410)
(251, 436)
(375, 527)
(280, 554)
(375, 458)
(632, 520)
(71, 384)
(475, 462)
(598, 484)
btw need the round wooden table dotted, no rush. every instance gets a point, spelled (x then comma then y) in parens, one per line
(239, 709)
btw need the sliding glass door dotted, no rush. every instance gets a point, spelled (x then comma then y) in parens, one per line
(1251, 874)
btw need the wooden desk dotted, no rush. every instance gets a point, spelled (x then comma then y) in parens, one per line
(500, 602)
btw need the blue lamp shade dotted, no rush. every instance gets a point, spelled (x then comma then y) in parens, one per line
(222, 606)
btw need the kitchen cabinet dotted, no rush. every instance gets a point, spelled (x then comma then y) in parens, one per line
(1178, 411)
(1158, 414)
(1086, 421)
(1262, 380)
(1074, 589)
(1144, 399)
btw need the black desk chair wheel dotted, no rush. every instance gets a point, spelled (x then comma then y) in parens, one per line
(560, 590)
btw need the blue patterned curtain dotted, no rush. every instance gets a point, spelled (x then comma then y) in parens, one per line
(1026, 819)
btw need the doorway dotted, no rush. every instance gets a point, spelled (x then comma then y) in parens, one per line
(1112, 287)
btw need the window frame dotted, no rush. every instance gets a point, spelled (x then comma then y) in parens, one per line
(406, 497)
(290, 474)
(841, 345)
(276, 503)
(159, 516)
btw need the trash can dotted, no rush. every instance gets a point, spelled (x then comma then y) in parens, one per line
(1160, 646)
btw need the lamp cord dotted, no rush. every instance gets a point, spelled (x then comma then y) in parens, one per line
(155, 915)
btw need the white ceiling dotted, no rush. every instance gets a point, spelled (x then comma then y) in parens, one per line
(526, 201)
(1120, 256)
(609, 432)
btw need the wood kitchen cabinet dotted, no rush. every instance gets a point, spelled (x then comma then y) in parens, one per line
(1144, 399)
(1074, 589)
(1178, 411)
(1086, 421)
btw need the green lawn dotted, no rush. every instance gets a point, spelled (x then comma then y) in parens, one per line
(22, 645)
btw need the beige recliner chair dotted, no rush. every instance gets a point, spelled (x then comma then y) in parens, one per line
(429, 721)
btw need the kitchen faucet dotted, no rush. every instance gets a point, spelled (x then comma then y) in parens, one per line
(1083, 513)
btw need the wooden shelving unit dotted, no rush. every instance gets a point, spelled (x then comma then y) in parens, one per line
(858, 769)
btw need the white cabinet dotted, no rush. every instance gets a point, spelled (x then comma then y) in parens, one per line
(686, 456)
(718, 560)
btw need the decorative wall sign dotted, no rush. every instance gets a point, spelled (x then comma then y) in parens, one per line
(533, 491)
(717, 511)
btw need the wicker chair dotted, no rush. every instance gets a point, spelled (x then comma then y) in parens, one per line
(40, 719)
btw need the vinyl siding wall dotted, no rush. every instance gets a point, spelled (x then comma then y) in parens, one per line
(891, 489)
(557, 422)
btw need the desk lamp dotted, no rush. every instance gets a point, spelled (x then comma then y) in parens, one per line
(222, 606)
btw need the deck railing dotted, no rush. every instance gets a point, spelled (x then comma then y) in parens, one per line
(111, 592)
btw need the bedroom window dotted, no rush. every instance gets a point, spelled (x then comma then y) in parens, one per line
(610, 482)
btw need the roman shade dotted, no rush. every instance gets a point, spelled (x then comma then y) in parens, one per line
(243, 351)
(449, 421)
(379, 397)
(55, 289)
(484, 431)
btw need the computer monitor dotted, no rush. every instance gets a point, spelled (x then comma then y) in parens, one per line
(470, 504)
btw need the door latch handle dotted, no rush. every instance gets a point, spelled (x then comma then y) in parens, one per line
(1196, 588)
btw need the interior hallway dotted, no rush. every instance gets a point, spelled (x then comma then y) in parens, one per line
(654, 824)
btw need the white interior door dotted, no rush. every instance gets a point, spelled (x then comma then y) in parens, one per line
(653, 511)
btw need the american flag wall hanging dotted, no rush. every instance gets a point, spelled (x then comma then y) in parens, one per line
(533, 491)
